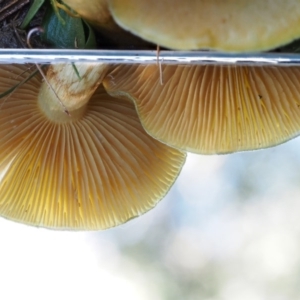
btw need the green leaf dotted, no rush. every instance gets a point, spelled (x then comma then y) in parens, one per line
(91, 39)
(76, 71)
(72, 33)
(36, 5)
(12, 89)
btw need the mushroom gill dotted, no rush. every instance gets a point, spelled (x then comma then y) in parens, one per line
(213, 109)
(92, 169)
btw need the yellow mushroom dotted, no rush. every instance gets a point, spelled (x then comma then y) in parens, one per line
(213, 109)
(99, 16)
(92, 169)
(229, 25)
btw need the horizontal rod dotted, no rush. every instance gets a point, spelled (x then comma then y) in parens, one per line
(145, 57)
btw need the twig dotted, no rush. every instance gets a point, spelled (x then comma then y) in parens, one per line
(11, 8)
(159, 65)
(30, 32)
(17, 33)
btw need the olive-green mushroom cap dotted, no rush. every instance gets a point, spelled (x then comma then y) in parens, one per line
(92, 173)
(229, 25)
(97, 13)
(213, 109)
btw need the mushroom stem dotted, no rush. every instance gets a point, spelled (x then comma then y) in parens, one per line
(71, 88)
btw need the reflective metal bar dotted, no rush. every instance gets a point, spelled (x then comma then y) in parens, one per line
(145, 57)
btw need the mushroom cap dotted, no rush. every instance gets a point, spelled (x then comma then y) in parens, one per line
(213, 109)
(97, 13)
(229, 25)
(94, 11)
(94, 173)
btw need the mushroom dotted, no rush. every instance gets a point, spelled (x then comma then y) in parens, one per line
(72, 159)
(228, 25)
(212, 109)
(95, 12)
(98, 15)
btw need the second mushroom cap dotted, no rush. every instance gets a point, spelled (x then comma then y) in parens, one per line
(229, 25)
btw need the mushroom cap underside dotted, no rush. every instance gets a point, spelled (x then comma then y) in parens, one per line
(94, 173)
(212, 109)
(228, 25)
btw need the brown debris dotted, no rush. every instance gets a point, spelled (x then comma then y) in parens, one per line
(11, 8)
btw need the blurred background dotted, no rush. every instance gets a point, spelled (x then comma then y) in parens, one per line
(228, 230)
